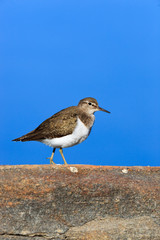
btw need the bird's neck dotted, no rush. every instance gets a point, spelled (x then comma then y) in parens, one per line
(87, 119)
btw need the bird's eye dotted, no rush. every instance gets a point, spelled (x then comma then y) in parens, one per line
(89, 103)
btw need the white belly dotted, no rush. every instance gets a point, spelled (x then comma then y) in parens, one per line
(79, 134)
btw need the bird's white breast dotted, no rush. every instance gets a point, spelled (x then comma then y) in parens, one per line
(79, 134)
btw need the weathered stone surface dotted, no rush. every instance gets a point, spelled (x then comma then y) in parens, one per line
(79, 202)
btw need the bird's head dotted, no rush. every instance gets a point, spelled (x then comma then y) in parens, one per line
(90, 105)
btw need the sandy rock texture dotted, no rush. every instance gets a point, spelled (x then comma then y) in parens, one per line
(80, 202)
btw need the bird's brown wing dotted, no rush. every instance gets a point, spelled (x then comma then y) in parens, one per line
(60, 124)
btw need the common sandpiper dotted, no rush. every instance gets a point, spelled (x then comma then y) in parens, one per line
(66, 128)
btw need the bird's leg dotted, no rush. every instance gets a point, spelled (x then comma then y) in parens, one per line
(51, 158)
(61, 152)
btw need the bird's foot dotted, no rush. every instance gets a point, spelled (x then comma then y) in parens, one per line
(51, 160)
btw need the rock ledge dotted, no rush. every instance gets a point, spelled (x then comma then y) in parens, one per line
(79, 202)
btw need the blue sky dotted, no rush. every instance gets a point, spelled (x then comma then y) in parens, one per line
(54, 53)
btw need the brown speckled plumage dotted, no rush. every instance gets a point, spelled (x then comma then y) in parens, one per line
(60, 124)
(64, 122)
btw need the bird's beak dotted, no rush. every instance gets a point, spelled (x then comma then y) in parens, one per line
(102, 109)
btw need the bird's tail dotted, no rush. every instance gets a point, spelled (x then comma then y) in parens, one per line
(27, 137)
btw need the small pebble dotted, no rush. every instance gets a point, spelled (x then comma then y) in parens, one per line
(73, 169)
(125, 170)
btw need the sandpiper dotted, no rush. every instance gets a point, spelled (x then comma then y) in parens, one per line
(66, 128)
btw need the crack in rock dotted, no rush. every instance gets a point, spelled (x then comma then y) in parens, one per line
(42, 235)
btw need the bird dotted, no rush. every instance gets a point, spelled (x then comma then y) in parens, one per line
(66, 128)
